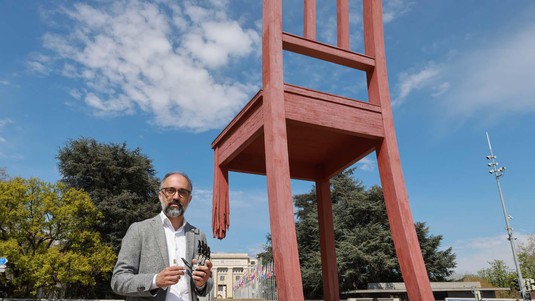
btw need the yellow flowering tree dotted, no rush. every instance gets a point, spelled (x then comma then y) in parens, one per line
(47, 232)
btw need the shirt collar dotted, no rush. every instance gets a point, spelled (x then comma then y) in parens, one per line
(167, 222)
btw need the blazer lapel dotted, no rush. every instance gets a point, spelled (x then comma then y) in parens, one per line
(161, 241)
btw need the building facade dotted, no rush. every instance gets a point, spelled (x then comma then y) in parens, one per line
(227, 269)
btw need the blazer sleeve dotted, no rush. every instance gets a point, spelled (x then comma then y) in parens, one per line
(129, 277)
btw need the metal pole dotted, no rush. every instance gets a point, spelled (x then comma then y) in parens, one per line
(498, 172)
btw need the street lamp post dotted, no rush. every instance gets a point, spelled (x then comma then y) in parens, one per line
(498, 172)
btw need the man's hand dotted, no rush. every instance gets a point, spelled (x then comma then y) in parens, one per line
(202, 273)
(169, 276)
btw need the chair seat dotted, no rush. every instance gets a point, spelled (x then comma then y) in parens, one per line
(326, 134)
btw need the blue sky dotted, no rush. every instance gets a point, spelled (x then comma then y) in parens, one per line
(167, 76)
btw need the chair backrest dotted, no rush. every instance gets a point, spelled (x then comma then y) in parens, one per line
(340, 54)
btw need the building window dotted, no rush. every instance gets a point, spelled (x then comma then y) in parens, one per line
(222, 278)
(237, 270)
(222, 270)
(237, 278)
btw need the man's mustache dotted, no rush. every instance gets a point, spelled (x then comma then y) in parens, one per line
(175, 203)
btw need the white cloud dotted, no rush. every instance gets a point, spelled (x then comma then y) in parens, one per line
(215, 42)
(490, 81)
(475, 254)
(203, 196)
(440, 89)
(393, 9)
(38, 63)
(161, 59)
(18, 157)
(495, 80)
(4, 122)
(367, 164)
(408, 82)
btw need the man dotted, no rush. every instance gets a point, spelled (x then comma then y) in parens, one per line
(150, 265)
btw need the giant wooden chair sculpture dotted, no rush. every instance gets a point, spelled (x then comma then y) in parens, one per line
(289, 132)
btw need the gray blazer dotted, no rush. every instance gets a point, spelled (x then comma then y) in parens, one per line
(143, 254)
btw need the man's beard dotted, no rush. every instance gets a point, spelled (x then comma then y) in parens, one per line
(174, 211)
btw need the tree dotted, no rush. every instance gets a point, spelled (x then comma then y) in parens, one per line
(526, 257)
(364, 247)
(499, 275)
(47, 232)
(267, 254)
(121, 183)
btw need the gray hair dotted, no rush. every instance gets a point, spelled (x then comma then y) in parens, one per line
(177, 173)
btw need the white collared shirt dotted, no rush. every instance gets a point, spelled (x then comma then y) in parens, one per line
(176, 248)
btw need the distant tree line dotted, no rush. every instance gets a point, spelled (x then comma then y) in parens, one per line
(62, 238)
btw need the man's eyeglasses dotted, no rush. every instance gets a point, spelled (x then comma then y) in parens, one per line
(170, 191)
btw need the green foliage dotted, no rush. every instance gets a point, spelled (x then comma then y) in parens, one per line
(364, 247)
(526, 257)
(121, 183)
(267, 254)
(439, 264)
(499, 275)
(47, 233)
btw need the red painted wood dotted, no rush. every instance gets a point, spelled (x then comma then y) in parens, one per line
(310, 19)
(327, 53)
(318, 137)
(329, 267)
(327, 97)
(284, 239)
(335, 117)
(215, 198)
(288, 132)
(398, 210)
(220, 207)
(252, 164)
(347, 156)
(255, 102)
(314, 152)
(241, 135)
(342, 11)
(246, 128)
